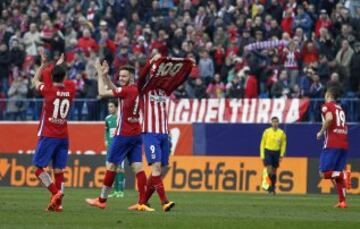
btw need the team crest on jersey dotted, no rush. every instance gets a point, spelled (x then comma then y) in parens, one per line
(324, 109)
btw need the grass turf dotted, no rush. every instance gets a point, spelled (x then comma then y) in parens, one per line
(23, 208)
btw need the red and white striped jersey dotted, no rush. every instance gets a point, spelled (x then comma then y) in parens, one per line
(154, 112)
(290, 59)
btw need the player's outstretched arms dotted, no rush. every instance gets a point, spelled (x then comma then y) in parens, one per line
(105, 86)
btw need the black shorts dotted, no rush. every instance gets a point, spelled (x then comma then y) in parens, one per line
(272, 158)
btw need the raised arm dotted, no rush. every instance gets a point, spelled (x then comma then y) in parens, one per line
(36, 80)
(105, 86)
(145, 70)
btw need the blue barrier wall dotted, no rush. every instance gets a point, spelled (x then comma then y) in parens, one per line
(244, 139)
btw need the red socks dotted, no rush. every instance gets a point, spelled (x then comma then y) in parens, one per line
(109, 178)
(149, 189)
(339, 181)
(108, 182)
(141, 185)
(45, 179)
(158, 185)
(59, 181)
(340, 188)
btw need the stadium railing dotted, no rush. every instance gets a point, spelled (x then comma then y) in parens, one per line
(96, 109)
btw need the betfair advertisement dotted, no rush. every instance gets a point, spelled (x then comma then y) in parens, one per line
(232, 174)
(82, 171)
(187, 173)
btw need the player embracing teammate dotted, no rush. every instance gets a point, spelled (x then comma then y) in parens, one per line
(334, 154)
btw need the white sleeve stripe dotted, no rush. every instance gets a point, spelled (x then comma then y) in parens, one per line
(149, 118)
(156, 114)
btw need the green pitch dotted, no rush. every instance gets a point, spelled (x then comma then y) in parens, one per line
(23, 208)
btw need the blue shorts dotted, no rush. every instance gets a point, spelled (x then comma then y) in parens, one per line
(55, 149)
(333, 160)
(125, 147)
(157, 148)
(272, 158)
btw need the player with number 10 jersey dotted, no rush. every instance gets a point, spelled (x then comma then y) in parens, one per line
(53, 141)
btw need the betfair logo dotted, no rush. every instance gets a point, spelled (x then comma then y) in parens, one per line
(18, 172)
(4, 167)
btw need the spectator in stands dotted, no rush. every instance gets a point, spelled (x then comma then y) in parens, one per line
(80, 94)
(325, 44)
(32, 40)
(17, 54)
(281, 89)
(323, 22)
(77, 65)
(302, 20)
(355, 22)
(275, 10)
(290, 58)
(121, 33)
(316, 88)
(216, 88)
(16, 109)
(343, 59)
(206, 67)
(306, 82)
(309, 54)
(355, 68)
(345, 34)
(5, 61)
(200, 89)
(323, 69)
(160, 43)
(287, 21)
(180, 93)
(335, 80)
(251, 85)
(86, 43)
(316, 92)
(275, 30)
(235, 88)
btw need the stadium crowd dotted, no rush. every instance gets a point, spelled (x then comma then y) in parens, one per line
(243, 48)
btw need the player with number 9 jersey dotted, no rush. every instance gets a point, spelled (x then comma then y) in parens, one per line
(157, 80)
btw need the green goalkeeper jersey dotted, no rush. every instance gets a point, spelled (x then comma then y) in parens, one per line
(110, 127)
